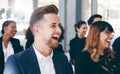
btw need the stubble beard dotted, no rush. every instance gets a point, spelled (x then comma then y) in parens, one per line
(52, 44)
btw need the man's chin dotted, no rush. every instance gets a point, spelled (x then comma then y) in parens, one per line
(55, 45)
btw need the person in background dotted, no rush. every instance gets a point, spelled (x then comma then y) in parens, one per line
(78, 42)
(97, 57)
(40, 58)
(29, 38)
(94, 18)
(8, 44)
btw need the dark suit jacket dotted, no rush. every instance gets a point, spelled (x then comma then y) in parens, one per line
(26, 63)
(59, 49)
(16, 47)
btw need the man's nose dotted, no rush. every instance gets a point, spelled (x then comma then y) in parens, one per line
(58, 30)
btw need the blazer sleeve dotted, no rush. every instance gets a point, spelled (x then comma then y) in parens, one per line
(69, 67)
(11, 66)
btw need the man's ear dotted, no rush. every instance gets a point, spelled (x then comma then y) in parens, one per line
(35, 30)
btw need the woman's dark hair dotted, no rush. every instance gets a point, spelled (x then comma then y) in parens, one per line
(6, 23)
(78, 24)
(28, 34)
(29, 37)
(91, 19)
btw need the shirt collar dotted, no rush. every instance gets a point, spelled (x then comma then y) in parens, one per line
(41, 57)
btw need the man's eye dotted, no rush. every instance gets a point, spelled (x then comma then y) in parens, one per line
(53, 26)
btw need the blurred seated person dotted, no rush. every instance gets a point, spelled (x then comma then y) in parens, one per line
(8, 44)
(78, 42)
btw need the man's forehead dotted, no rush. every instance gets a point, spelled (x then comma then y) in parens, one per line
(97, 19)
(53, 18)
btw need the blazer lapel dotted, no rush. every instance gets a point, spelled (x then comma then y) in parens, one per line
(57, 64)
(35, 69)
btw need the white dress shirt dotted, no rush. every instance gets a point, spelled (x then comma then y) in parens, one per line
(45, 63)
(7, 51)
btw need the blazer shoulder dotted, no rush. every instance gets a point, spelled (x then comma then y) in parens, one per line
(26, 54)
(14, 39)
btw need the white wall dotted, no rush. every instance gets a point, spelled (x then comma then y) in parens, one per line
(67, 16)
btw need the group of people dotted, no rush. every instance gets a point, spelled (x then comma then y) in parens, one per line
(45, 32)
(78, 42)
(91, 54)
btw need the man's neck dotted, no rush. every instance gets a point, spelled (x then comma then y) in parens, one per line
(43, 49)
